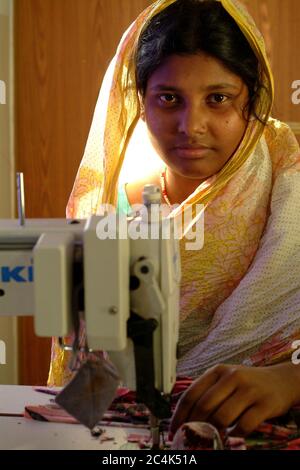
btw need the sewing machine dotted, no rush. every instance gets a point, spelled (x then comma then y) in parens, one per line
(123, 276)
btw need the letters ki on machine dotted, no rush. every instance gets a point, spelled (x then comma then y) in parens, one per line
(120, 275)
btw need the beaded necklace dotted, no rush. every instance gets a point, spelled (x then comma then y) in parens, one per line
(163, 187)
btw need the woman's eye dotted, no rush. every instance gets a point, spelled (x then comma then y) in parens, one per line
(168, 98)
(217, 98)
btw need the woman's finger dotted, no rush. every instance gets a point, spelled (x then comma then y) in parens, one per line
(211, 400)
(191, 396)
(231, 409)
(251, 419)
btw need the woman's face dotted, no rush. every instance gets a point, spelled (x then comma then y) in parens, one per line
(193, 108)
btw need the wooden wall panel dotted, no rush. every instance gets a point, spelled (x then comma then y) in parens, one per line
(279, 22)
(62, 50)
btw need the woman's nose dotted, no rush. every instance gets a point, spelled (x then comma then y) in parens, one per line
(192, 120)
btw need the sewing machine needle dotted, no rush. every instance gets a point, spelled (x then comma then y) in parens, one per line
(155, 431)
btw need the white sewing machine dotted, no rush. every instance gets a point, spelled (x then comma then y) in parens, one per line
(127, 288)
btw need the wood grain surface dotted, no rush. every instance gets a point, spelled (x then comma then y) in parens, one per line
(63, 48)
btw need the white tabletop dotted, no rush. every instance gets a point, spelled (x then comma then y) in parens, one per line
(21, 433)
(14, 398)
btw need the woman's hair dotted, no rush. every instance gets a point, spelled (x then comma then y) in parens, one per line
(192, 26)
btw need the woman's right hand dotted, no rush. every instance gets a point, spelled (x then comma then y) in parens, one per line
(228, 395)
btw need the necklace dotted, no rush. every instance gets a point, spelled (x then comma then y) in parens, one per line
(163, 187)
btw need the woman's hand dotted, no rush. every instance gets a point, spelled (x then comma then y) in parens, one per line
(227, 395)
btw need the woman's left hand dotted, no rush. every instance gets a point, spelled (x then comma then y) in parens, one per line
(227, 395)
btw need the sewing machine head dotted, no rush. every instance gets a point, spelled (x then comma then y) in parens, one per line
(122, 272)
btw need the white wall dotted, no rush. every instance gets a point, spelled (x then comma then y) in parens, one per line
(8, 326)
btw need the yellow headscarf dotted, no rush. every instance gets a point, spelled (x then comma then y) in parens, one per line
(97, 179)
(240, 296)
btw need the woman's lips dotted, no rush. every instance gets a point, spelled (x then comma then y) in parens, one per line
(191, 152)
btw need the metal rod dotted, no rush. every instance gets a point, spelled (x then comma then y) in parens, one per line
(155, 431)
(21, 198)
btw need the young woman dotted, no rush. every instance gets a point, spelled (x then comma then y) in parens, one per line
(197, 74)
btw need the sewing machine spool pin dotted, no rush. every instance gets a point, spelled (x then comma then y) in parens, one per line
(21, 198)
